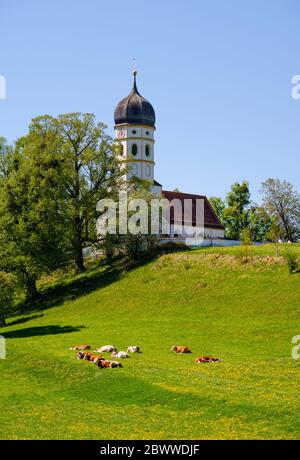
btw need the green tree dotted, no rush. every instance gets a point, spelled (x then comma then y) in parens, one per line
(259, 222)
(31, 230)
(88, 170)
(282, 202)
(236, 213)
(218, 206)
(5, 158)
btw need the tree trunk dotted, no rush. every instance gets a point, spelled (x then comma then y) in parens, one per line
(288, 230)
(77, 239)
(77, 248)
(78, 259)
(31, 290)
(2, 321)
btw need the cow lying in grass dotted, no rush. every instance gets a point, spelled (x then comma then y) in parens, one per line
(89, 357)
(120, 354)
(93, 358)
(106, 349)
(207, 359)
(98, 360)
(133, 349)
(180, 349)
(83, 355)
(80, 347)
(106, 364)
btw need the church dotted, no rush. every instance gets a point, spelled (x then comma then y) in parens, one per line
(135, 131)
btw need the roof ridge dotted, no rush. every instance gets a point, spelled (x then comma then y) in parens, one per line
(184, 193)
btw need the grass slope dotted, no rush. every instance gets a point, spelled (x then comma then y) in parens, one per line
(246, 313)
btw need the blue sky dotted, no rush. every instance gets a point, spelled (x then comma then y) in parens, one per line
(218, 74)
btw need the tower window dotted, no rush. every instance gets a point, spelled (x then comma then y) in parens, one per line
(147, 151)
(147, 133)
(134, 131)
(121, 149)
(134, 149)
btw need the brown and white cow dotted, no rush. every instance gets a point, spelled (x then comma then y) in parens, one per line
(106, 364)
(80, 347)
(180, 349)
(207, 359)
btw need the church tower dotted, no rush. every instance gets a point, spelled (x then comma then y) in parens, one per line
(134, 130)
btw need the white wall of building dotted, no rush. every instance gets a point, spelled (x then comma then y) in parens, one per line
(214, 233)
(189, 229)
(142, 164)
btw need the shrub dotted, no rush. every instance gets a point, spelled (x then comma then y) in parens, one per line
(140, 246)
(110, 246)
(246, 240)
(173, 245)
(245, 237)
(292, 262)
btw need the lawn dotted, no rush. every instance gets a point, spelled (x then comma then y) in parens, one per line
(212, 300)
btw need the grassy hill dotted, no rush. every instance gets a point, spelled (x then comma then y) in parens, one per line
(211, 300)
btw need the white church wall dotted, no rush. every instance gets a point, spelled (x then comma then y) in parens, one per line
(214, 233)
(208, 232)
(213, 242)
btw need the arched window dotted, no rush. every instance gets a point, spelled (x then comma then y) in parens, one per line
(120, 149)
(147, 150)
(134, 149)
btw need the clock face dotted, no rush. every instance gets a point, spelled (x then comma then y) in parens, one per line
(121, 133)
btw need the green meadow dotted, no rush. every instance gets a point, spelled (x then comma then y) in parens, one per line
(242, 308)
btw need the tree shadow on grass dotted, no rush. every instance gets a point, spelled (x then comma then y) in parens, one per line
(25, 319)
(89, 281)
(41, 330)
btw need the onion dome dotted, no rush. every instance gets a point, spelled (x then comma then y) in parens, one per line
(135, 109)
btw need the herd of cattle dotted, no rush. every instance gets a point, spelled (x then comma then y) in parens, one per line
(99, 359)
(102, 363)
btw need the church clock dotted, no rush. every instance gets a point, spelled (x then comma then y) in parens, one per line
(120, 133)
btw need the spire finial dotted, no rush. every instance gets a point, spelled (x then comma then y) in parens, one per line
(134, 73)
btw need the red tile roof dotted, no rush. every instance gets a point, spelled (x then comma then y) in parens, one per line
(210, 218)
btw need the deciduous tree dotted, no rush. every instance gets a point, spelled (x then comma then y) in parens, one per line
(88, 170)
(282, 202)
(31, 237)
(236, 214)
(218, 206)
